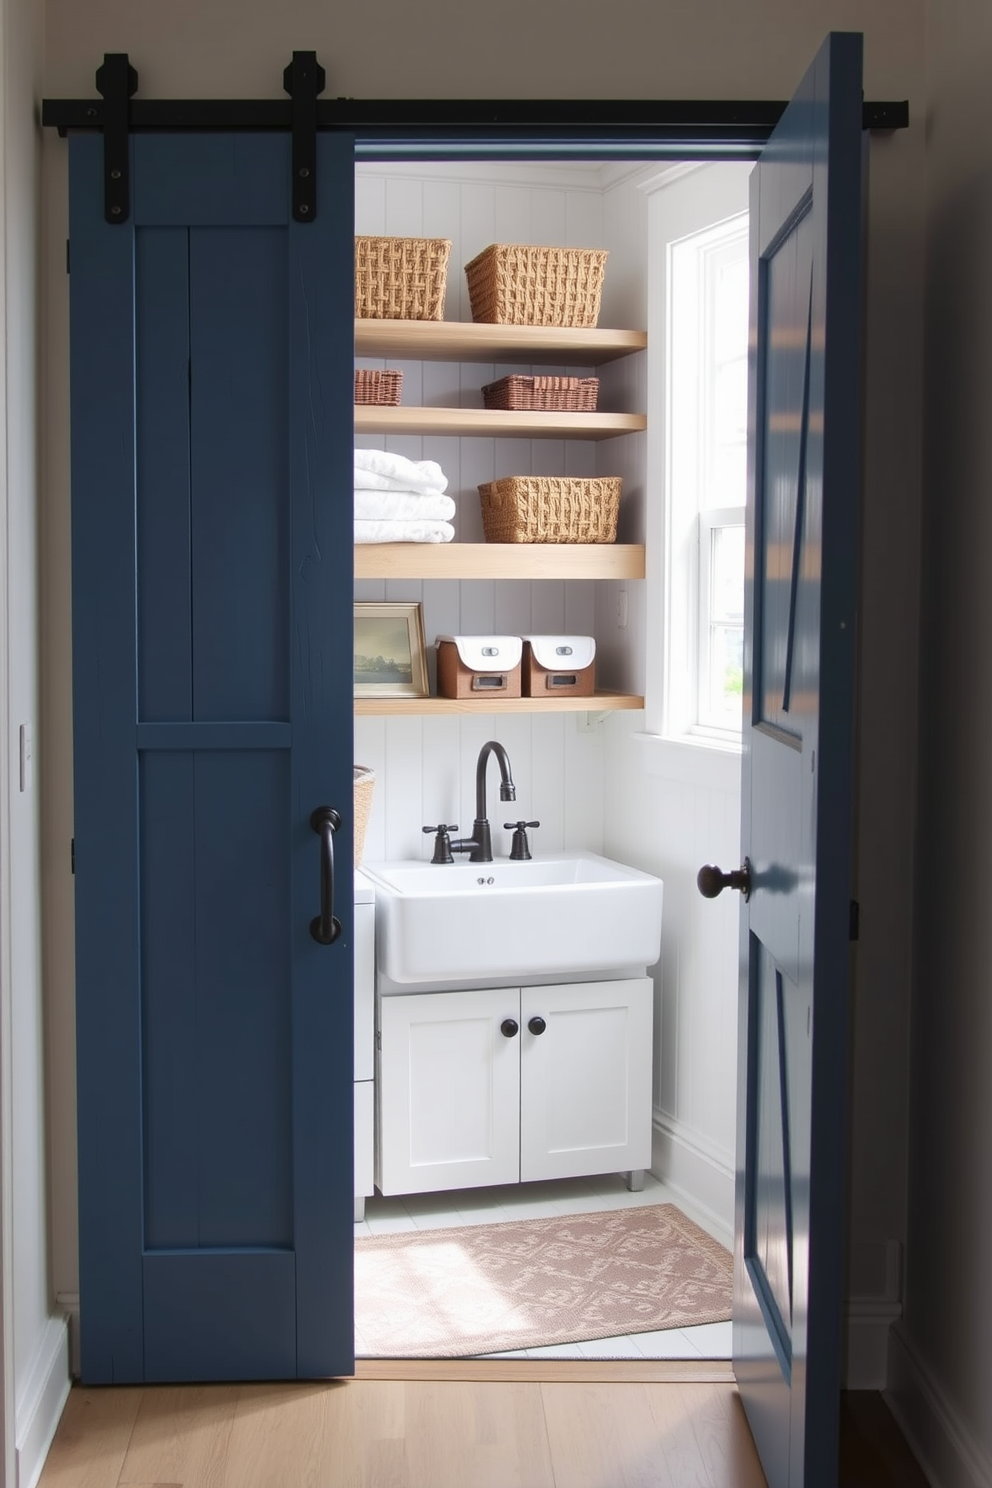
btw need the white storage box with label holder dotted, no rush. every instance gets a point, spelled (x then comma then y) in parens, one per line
(556, 665)
(479, 666)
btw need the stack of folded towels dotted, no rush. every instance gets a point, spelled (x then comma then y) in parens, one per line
(400, 500)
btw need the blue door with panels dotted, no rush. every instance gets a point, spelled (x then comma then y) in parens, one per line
(211, 368)
(799, 695)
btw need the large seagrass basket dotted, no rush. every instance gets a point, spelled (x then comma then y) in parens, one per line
(401, 278)
(550, 509)
(525, 284)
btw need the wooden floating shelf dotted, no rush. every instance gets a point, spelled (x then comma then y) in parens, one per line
(494, 423)
(457, 560)
(367, 707)
(465, 341)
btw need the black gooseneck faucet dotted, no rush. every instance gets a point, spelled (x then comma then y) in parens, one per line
(479, 846)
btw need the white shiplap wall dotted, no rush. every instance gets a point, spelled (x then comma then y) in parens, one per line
(599, 789)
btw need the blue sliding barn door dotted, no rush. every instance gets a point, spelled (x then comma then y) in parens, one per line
(800, 643)
(211, 389)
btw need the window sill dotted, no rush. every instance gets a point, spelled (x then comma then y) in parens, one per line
(711, 763)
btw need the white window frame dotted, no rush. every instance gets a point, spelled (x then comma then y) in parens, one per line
(708, 522)
(681, 203)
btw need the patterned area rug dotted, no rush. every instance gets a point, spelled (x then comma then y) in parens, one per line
(482, 1289)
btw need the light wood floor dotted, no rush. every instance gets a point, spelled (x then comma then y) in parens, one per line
(426, 1433)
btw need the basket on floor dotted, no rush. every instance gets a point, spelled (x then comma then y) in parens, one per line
(378, 387)
(364, 786)
(524, 284)
(564, 394)
(401, 278)
(550, 509)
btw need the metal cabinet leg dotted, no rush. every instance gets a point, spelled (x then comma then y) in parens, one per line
(359, 1210)
(635, 1180)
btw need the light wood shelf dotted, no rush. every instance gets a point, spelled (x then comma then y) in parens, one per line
(465, 341)
(494, 423)
(458, 560)
(368, 707)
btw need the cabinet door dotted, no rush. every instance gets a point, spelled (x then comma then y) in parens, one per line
(448, 1091)
(585, 1078)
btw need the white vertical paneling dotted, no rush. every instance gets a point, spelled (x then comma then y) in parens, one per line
(548, 789)
(405, 207)
(549, 218)
(403, 787)
(370, 205)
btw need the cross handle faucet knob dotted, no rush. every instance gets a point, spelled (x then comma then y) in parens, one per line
(520, 847)
(442, 842)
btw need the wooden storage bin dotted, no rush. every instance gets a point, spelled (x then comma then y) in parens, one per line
(383, 388)
(551, 509)
(401, 278)
(527, 284)
(561, 394)
(559, 666)
(479, 666)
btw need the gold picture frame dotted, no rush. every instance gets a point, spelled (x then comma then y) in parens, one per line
(389, 650)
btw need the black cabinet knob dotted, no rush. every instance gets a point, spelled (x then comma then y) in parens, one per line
(509, 1028)
(537, 1024)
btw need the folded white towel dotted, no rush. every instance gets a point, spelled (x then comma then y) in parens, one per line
(390, 472)
(397, 506)
(391, 532)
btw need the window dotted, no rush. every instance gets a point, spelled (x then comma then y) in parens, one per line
(697, 457)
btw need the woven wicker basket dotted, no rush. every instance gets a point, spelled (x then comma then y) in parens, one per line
(522, 284)
(364, 786)
(401, 278)
(378, 387)
(564, 394)
(550, 509)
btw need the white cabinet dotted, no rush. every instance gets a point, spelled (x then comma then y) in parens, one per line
(364, 1039)
(449, 1091)
(508, 1085)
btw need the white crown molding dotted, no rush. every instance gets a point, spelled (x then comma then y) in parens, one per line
(564, 175)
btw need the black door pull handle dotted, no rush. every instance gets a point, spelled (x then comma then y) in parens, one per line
(326, 928)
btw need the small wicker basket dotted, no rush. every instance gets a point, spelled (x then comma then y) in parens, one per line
(550, 509)
(524, 284)
(564, 394)
(378, 387)
(401, 278)
(364, 786)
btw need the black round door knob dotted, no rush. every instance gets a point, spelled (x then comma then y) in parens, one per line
(537, 1024)
(711, 881)
(509, 1028)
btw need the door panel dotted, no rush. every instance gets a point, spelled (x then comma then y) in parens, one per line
(799, 695)
(211, 476)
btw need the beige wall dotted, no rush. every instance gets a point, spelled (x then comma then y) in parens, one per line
(449, 48)
(942, 1359)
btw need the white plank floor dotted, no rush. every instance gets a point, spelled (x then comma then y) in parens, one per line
(544, 1200)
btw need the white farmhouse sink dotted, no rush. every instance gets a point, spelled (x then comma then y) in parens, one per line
(556, 914)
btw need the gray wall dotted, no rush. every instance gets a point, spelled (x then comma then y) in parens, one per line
(709, 49)
(942, 1352)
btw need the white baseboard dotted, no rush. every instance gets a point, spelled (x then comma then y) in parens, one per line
(697, 1174)
(69, 1303)
(944, 1446)
(42, 1402)
(867, 1325)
